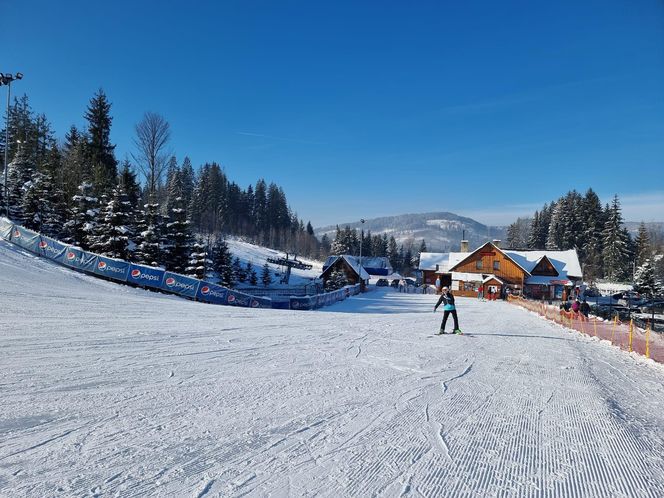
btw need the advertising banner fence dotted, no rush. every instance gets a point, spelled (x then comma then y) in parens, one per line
(212, 293)
(79, 259)
(180, 284)
(6, 228)
(116, 269)
(51, 248)
(27, 239)
(145, 276)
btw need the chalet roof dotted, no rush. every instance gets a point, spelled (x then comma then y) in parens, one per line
(467, 277)
(566, 262)
(367, 261)
(507, 254)
(352, 262)
(444, 260)
(492, 277)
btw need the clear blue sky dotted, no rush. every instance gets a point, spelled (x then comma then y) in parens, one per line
(363, 109)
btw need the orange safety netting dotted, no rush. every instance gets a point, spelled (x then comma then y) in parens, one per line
(627, 336)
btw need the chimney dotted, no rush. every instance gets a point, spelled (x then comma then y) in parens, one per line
(496, 242)
(464, 246)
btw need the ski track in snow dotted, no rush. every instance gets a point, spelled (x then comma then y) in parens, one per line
(113, 391)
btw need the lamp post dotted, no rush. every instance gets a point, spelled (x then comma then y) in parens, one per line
(359, 270)
(6, 79)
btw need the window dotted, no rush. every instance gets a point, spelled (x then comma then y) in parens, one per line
(478, 264)
(496, 265)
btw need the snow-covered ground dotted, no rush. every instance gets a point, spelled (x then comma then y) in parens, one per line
(112, 391)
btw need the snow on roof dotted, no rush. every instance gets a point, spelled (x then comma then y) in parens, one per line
(352, 262)
(492, 277)
(444, 260)
(565, 262)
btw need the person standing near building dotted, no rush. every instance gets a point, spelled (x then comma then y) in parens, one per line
(480, 292)
(447, 298)
(438, 284)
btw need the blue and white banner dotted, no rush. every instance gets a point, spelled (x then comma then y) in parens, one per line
(51, 248)
(263, 302)
(235, 298)
(79, 259)
(179, 284)
(145, 276)
(212, 293)
(116, 269)
(302, 303)
(25, 238)
(6, 228)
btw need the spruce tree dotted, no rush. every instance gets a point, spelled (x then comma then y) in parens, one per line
(99, 150)
(178, 239)
(149, 247)
(113, 230)
(615, 242)
(336, 280)
(266, 277)
(646, 280)
(19, 175)
(643, 248)
(83, 215)
(239, 274)
(251, 274)
(222, 262)
(198, 261)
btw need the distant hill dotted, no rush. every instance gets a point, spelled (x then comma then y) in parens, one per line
(441, 231)
(653, 226)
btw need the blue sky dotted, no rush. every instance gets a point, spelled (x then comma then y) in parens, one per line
(363, 109)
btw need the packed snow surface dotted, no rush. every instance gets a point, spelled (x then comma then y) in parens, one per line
(112, 391)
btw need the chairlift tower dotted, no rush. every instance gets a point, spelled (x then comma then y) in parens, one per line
(288, 265)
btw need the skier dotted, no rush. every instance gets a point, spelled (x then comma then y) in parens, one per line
(447, 297)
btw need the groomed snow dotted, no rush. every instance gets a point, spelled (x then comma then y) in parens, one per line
(112, 391)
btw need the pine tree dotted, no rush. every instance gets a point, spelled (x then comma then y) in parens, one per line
(178, 238)
(239, 274)
(393, 254)
(19, 175)
(646, 281)
(615, 242)
(554, 236)
(251, 274)
(34, 203)
(643, 248)
(593, 225)
(198, 261)
(266, 277)
(336, 280)
(149, 250)
(113, 230)
(83, 215)
(222, 262)
(99, 150)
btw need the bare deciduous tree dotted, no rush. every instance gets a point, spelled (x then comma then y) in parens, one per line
(152, 135)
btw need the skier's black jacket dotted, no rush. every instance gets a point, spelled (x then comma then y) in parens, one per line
(447, 298)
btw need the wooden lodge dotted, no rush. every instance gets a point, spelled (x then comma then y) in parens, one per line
(354, 272)
(537, 274)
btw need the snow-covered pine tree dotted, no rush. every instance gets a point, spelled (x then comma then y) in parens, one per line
(239, 275)
(82, 219)
(113, 230)
(149, 250)
(34, 204)
(222, 262)
(593, 224)
(198, 261)
(646, 281)
(266, 277)
(99, 150)
(336, 280)
(615, 242)
(554, 235)
(251, 274)
(643, 248)
(177, 236)
(393, 253)
(19, 175)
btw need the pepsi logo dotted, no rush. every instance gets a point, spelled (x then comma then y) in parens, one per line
(231, 298)
(101, 265)
(255, 304)
(71, 256)
(170, 281)
(17, 234)
(205, 290)
(43, 244)
(135, 273)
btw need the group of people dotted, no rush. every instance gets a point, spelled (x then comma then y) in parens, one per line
(577, 306)
(492, 293)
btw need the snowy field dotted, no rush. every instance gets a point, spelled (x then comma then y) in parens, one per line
(113, 391)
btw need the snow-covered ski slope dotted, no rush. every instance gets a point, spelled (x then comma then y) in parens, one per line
(108, 390)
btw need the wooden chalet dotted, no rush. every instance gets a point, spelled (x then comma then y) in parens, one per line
(537, 274)
(354, 272)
